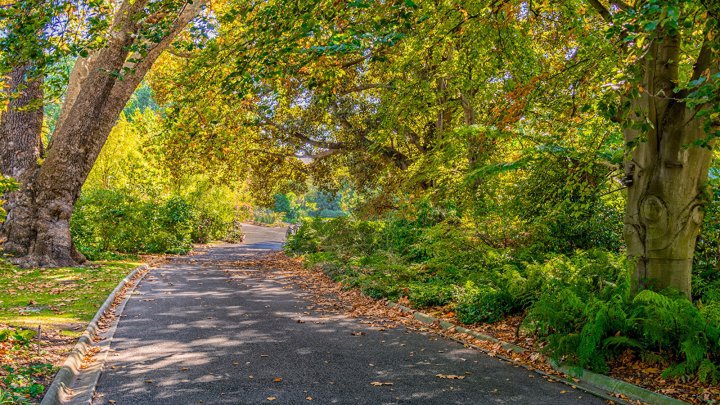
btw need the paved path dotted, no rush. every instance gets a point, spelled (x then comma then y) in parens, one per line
(191, 334)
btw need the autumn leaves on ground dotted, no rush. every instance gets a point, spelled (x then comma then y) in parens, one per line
(335, 297)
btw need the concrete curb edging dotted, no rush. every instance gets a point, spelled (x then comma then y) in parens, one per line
(598, 384)
(64, 378)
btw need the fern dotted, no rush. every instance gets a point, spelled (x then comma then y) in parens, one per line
(708, 371)
(711, 312)
(674, 324)
(621, 342)
(662, 327)
(653, 358)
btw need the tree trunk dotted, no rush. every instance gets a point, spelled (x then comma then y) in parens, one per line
(20, 149)
(100, 86)
(665, 176)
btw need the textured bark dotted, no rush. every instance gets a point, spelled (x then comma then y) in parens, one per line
(20, 149)
(665, 177)
(23, 116)
(100, 86)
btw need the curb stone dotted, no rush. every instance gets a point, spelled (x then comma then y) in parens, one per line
(597, 384)
(60, 391)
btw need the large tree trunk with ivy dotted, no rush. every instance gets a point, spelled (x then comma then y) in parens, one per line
(37, 229)
(665, 173)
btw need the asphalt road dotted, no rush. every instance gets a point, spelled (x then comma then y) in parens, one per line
(204, 330)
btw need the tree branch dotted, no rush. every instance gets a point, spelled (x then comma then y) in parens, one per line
(395, 156)
(414, 139)
(602, 10)
(306, 140)
(704, 60)
(318, 155)
(179, 54)
(353, 62)
(622, 5)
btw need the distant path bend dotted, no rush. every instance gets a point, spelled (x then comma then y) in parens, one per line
(198, 331)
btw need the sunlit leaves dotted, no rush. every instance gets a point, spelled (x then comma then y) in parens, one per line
(46, 32)
(6, 185)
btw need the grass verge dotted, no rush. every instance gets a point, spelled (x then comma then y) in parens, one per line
(42, 313)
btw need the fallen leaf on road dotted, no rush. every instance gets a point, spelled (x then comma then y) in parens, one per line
(271, 398)
(357, 333)
(309, 398)
(148, 381)
(277, 379)
(380, 384)
(450, 376)
(184, 369)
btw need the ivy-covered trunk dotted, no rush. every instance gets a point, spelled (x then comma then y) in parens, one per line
(665, 173)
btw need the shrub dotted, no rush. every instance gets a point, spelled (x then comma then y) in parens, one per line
(213, 213)
(578, 304)
(306, 239)
(428, 294)
(480, 304)
(267, 217)
(113, 221)
(706, 263)
(235, 234)
(563, 199)
(669, 322)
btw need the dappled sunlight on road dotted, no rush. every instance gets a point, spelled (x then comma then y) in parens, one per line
(212, 328)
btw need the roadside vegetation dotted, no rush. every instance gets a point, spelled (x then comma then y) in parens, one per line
(553, 269)
(579, 304)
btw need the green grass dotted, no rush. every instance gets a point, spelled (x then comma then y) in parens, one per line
(61, 298)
